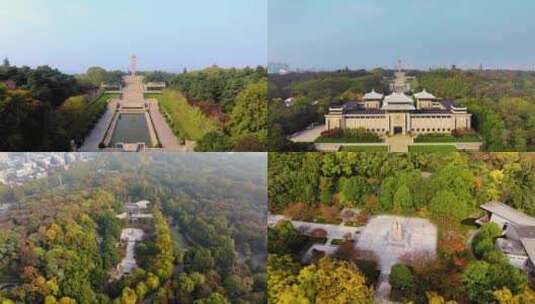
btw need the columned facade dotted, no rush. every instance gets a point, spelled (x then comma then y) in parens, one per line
(397, 114)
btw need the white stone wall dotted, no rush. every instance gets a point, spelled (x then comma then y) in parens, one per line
(431, 124)
(417, 124)
(333, 122)
(372, 104)
(463, 121)
(377, 124)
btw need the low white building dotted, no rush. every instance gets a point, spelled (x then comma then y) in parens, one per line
(518, 241)
(154, 86)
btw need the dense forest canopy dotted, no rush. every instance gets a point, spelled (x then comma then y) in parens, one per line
(501, 100)
(38, 107)
(235, 99)
(445, 188)
(43, 109)
(59, 241)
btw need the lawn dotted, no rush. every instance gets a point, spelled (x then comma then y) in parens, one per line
(432, 148)
(469, 137)
(185, 120)
(152, 95)
(364, 149)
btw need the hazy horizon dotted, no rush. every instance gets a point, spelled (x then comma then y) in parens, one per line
(366, 34)
(169, 36)
(327, 70)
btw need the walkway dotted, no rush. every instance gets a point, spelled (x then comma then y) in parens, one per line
(165, 134)
(399, 143)
(307, 135)
(94, 138)
(333, 231)
(133, 91)
(131, 236)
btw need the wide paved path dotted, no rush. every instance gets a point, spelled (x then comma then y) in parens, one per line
(165, 134)
(133, 91)
(308, 135)
(96, 135)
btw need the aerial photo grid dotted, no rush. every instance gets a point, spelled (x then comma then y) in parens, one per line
(412, 122)
(267, 151)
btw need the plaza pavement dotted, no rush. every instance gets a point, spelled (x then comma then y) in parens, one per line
(399, 143)
(419, 237)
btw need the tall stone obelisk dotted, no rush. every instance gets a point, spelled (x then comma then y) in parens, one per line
(133, 65)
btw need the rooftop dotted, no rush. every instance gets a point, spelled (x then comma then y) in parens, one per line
(398, 98)
(398, 107)
(424, 95)
(529, 246)
(514, 216)
(373, 96)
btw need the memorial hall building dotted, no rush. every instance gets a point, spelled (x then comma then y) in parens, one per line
(399, 113)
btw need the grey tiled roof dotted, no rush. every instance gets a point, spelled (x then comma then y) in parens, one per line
(514, 216)
(356, 107)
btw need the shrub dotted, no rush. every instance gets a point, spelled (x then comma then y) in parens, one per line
(214, 141)
(483, 242)
(402, 280)
(348, 135)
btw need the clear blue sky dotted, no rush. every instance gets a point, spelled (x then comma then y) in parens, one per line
(73, 35)
(423, 33)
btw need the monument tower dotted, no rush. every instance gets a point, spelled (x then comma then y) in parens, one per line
(133, 65)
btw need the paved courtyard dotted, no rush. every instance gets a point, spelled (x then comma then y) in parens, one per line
(419, 236)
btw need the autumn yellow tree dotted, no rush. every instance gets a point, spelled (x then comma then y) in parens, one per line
(329, 281)
(505, 296)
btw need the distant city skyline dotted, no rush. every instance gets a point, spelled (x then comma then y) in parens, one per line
(169, 35)
(366, 34)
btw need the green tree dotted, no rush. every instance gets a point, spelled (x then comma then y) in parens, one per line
(214, 298)
(482, 278)
(353, 190)
(141, 290)
(403, 199)
(249, 115)
(284, 239)
(214, 141)
(402, 280)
